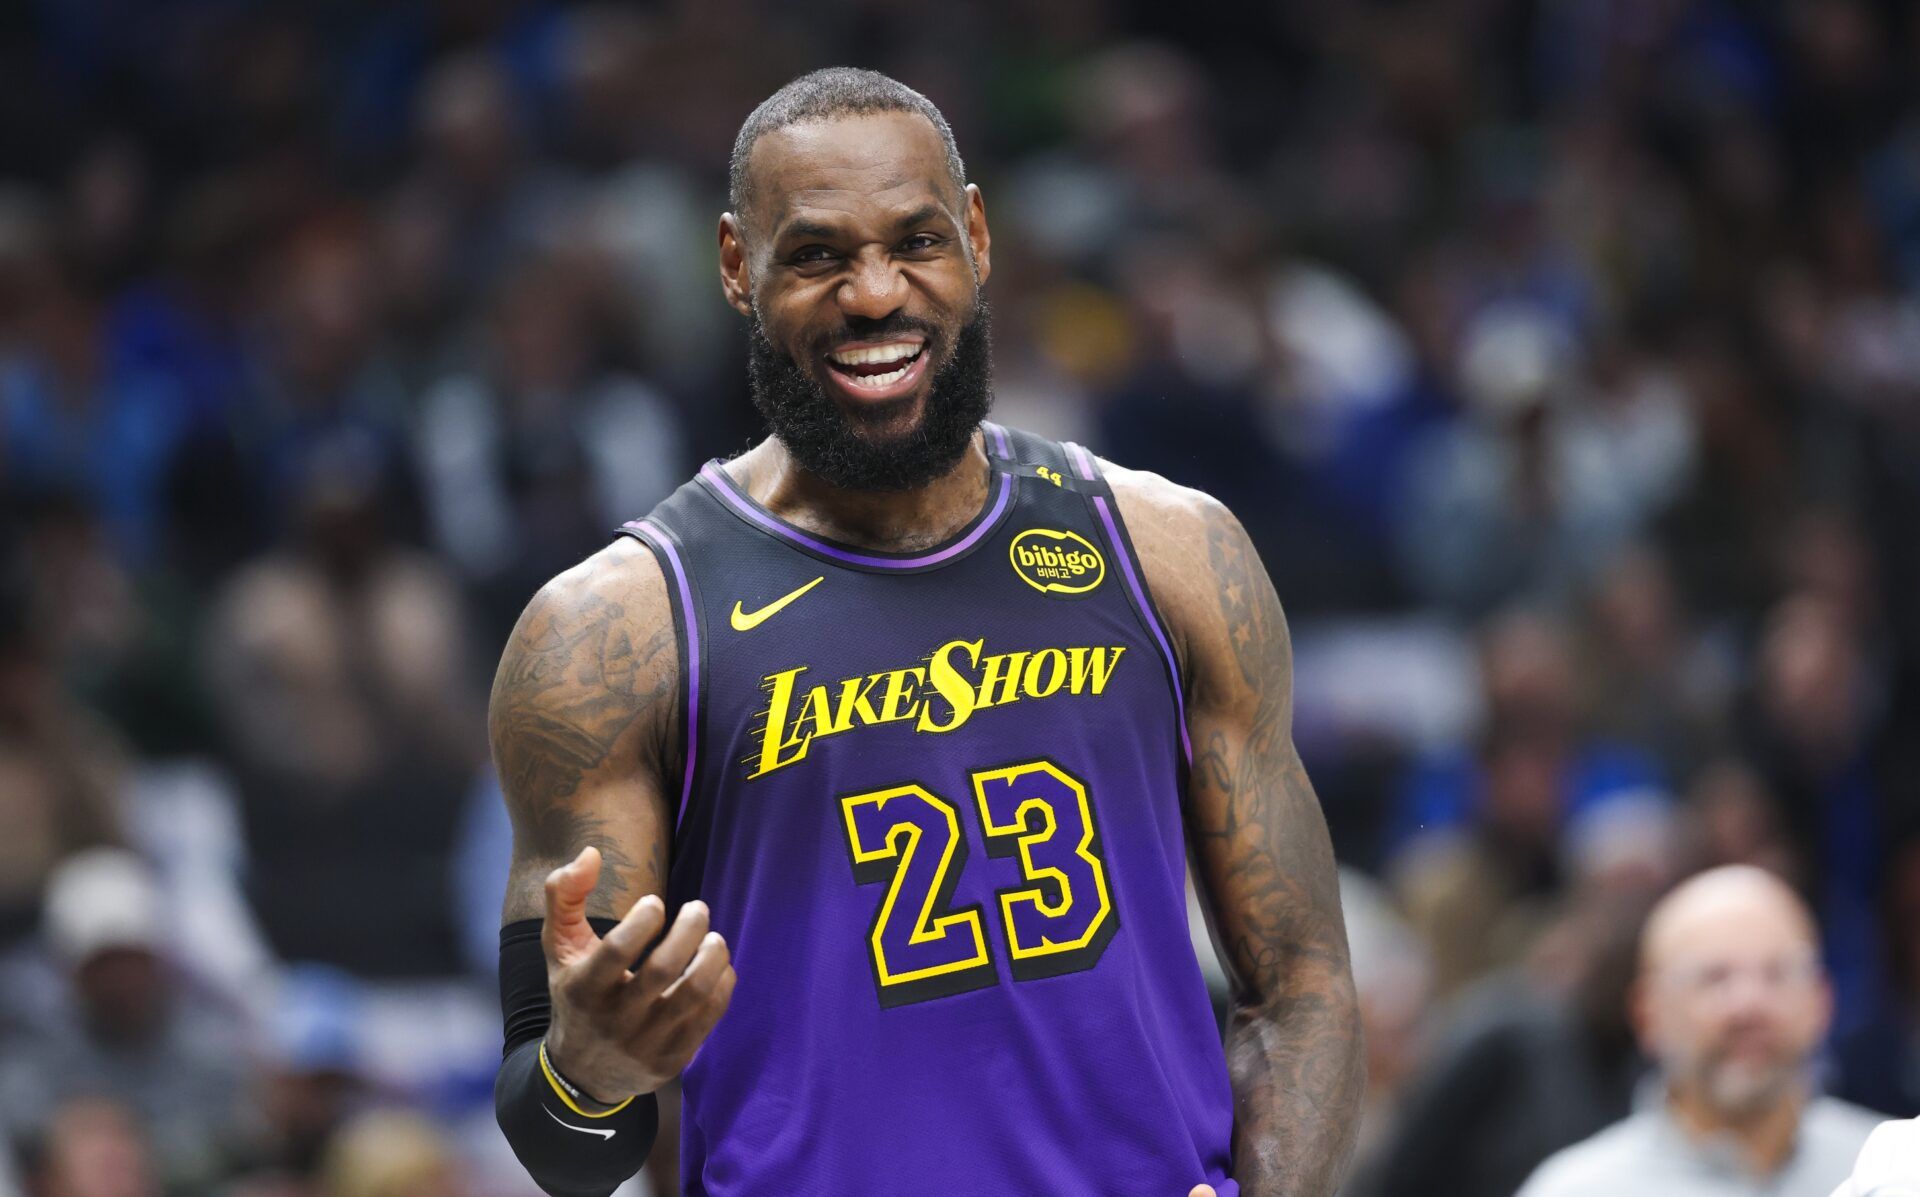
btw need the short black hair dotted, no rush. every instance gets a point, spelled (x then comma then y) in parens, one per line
(823, 95)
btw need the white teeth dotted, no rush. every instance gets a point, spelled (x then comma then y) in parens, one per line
(875, 354)
(874, 382)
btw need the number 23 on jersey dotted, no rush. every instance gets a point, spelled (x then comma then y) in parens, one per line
(1057, 917)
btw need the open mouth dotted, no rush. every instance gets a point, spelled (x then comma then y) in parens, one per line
(883, 371)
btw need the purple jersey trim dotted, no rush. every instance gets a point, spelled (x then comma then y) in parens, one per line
(657, 536)
(724, 486)
(1083, 465)
(1001, 447)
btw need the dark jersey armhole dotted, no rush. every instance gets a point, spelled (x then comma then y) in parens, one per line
(690, 642)
(1105, 512)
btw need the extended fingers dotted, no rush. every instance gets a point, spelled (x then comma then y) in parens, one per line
(701, 1021)
(623, 943)
(696, 1001)
(671, 956)
(701, 979)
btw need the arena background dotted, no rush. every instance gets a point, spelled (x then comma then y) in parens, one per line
(1562, 356)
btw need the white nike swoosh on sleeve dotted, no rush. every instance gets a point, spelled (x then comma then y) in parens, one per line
(585, 1130)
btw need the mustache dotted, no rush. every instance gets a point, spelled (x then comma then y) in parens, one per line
(860, 328)
(834, 444)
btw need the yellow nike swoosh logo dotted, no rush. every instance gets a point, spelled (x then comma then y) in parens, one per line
(747, 621)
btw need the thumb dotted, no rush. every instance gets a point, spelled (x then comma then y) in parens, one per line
(566, 933)
(1203, 1191)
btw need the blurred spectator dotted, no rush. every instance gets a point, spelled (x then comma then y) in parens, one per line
(1479, 878)
(1720, 532)
(1190, 396)
(1879, 1063)
(1529, 498)
(1814, 727)
(390, 1153)
(59, 770)
(309, 1080)
(1540, 1055)
(1394, 981)
(93, 1147)
(336, 662)
(1734, 819)
(1481, 895)
(528, 463)
(1654, 682)
(474, 170)
(322, 380)
(1731, 1002)
(119, 637)
(72, 419)
(127, 1030)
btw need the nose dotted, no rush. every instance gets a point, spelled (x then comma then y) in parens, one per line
(874, 288)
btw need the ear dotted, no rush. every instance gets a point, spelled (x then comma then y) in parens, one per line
(977, 234)
(735, 282)
(1823, 1006)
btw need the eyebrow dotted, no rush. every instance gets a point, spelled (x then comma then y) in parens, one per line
(815, 230)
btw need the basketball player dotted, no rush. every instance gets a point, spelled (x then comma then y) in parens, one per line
(855, 783)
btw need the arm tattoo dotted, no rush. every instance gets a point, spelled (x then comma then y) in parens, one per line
(556, 835)
(1293, 1045)
(572, 682)
(566, 692)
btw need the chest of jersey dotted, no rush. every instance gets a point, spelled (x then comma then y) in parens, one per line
(934, 805)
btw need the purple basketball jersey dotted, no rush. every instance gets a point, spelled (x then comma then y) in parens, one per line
(934, 803)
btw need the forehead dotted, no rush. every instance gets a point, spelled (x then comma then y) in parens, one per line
(849, 166)
(1733, 924)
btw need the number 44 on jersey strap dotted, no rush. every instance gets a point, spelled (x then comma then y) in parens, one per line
(1057, 919)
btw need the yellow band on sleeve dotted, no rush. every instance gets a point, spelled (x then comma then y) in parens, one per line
(561, 1088)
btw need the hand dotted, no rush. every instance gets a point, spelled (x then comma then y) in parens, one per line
(618, 1032)
(1203, 1191)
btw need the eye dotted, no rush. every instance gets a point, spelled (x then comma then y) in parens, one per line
(809, 255)
(922, 242)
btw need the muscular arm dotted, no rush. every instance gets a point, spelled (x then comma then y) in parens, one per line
(585, 730)
(586, 733)
(1263, 860)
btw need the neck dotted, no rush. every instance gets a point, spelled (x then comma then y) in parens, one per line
(891, 521)
(1765, 1137)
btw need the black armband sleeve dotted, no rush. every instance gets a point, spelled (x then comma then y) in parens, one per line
(568, 1151)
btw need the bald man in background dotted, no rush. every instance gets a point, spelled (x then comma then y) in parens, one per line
(1731, 1003)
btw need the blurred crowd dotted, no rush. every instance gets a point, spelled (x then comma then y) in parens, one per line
(1562, 357)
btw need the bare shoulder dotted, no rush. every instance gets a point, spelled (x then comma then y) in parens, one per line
(588, 664)
(1197, 558)
(1158, 512)
(584, 726)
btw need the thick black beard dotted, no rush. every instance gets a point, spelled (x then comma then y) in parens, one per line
(836, 446)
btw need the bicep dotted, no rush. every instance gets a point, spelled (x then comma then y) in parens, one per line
(1264, 863)
(582, 726)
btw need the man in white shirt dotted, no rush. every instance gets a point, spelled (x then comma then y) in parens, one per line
(1731, 1003)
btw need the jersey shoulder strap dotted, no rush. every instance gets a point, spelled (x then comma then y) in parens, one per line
(1079, 471)
(1030, 455)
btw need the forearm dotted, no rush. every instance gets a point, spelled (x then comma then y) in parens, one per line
(568, 1152)
(1263, 859)
(569, 1144)
(1298, 1078)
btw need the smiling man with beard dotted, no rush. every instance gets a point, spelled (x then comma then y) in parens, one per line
(868, 764)
(1731, 1004)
